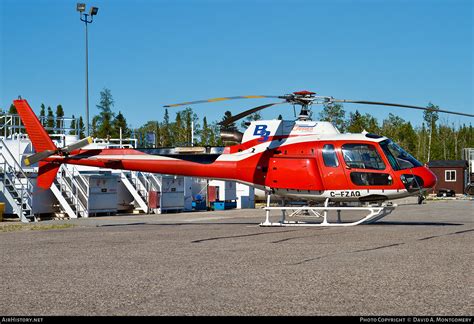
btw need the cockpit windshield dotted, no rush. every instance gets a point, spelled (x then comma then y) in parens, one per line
(399, 158)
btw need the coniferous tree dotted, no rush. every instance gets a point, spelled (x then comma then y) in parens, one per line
(50, 121)
(72, 126)
(59, 117)
(106, 115)
(205, 133)
(12, 110)
(165, 130)
(158, 134)
(231, 126)
(43, 114)
(94, 126)
(81, 128)
(178, 131)
(356, 123)
(120, 123)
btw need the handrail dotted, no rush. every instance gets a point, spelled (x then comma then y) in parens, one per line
(29, 185)
(63, 184)
(71, 186)
(157, 182)
(83, 179)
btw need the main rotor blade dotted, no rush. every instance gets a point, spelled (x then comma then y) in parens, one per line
(34, 158)
(218, 99)
(399, 105)
(232, 119)
(77, 145)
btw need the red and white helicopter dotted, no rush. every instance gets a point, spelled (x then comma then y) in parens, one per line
(293, 160)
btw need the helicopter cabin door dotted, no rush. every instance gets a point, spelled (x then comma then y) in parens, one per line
(366, 171)
(331, 168)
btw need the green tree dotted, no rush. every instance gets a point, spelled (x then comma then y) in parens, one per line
(231, 126)
(12, 110)
(50, 121)
(250, 118)
(166, 130)
(356, 123)
(59, 117)
(190, 122)
(72, 126)
(335, 114)
(151, 126)
(43, 114)
(179, 134)
(106, 115)
(431, 117)
(120, 123)
(82, 128)
(391, 127)
(214, 137)
(408, 138)
(204, 136)
(94, 126)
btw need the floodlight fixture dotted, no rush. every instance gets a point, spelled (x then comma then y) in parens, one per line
(81, 7)
(94, 11)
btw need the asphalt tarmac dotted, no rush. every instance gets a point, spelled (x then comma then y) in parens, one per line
(416, 261)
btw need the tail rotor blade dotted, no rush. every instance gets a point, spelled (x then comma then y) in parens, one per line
(32, 159)
(398, 105)
(78, 145)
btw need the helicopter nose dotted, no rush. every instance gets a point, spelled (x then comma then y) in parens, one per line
(429, 178)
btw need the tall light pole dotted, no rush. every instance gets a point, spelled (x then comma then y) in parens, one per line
(81, 7)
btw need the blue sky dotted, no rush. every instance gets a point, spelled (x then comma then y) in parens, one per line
(154, 52)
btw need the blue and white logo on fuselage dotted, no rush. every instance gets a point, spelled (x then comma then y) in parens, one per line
(261, 130)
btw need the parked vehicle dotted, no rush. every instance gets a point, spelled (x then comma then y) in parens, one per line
(446, 193)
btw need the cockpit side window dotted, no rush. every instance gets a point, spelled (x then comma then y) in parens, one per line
(362, 156)
(329, 156)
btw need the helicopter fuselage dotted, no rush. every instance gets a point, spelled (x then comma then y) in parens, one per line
(308, 160)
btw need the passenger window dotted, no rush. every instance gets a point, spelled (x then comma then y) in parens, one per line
(329, 156)
(362, 156)
(371, 179)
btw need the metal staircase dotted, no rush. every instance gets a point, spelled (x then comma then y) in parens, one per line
(139, 184)
(69, 190)
(15, 185)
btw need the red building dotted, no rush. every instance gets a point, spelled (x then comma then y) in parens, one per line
(451, 174)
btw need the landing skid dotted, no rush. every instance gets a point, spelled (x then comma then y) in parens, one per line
(375, 213)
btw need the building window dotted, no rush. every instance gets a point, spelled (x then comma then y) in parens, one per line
(329, 156)
(450, 175)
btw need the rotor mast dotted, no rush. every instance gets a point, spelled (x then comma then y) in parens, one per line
(304, 99)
